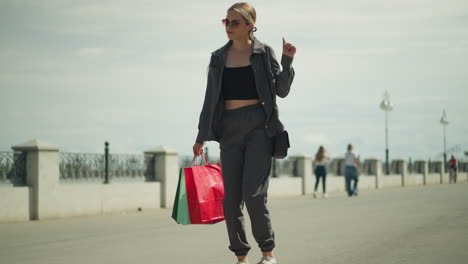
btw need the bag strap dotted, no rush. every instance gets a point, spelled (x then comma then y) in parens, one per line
(195, 159)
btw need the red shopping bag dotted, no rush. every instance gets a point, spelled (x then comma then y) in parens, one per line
(205, 193)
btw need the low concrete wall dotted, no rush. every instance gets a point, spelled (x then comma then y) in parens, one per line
(337, 183)
(45, 197)
(414, 180)
(445, 178)
(14, 204)
(284, 186)
(87, 199)
(366, 182)
(390, 181)
(334, 184)
(433, 178)
(80, 199)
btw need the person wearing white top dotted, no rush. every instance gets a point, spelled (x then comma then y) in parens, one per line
(351, 171)
(320, 171)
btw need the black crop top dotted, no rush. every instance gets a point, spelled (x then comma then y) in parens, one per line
(239, 83)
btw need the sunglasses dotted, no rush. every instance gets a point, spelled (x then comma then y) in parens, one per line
(233, 23)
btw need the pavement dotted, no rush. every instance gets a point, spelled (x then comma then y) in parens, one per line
(402, 225)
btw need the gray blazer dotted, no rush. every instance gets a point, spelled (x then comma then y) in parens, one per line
(268, 83)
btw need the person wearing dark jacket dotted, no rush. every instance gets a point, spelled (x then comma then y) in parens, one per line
(240, 112)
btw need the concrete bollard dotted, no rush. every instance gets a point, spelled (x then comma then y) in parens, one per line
(166, 168)
(438, 166)
(304, 170)
(400, 167)
(378, 175)
(425, 171)
(42, 176)
(421, 167)
(373, 166)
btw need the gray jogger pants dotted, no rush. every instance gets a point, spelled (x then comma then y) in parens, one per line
(246, 154)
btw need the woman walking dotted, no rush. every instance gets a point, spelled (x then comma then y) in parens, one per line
(351, 171)
(320, 171)
(240, 112)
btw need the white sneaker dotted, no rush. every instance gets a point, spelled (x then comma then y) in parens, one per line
(315, 194)
(267, 260)
(325, 195)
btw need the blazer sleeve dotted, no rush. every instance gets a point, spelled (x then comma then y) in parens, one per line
(199, 134)
(203, 115)
(282, 78)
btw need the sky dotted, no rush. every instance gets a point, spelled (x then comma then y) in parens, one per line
(79, 73)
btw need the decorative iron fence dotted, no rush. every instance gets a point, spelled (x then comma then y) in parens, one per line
(13, 168)
(436, 166)
(90, 167)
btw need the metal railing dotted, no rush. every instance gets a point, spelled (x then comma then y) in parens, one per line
(91, 167)
(13, 168)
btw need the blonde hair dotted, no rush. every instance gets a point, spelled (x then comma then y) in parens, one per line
(247, 11)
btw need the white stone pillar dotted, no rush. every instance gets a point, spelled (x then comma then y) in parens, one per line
(304, 170)
(378, 174)
(42, 176)
(374, 167)
(440, 168)
(425, 171)
(167, 173)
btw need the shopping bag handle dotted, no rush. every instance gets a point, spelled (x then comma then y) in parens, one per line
(204, 156)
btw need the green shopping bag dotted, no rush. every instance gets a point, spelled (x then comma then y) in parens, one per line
(180, 212)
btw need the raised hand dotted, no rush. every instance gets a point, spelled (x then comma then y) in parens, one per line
(288, 48)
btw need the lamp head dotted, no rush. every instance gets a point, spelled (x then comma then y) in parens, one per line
(386, 105)
(443, 119)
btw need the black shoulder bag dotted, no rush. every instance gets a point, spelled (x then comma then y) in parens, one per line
(281, 139)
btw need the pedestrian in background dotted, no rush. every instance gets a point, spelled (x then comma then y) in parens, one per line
(320, 171)
(452, 164)
(351, 171)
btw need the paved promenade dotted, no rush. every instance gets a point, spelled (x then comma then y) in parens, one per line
(403, 225)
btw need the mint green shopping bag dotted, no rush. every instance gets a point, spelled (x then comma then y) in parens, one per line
(180, 212)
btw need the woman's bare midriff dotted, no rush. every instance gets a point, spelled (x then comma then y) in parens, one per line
(233, 104)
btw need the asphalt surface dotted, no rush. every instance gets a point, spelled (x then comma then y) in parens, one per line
(402, 225)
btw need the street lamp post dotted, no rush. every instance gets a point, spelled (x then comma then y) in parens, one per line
(386, 106)
(444, 122)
